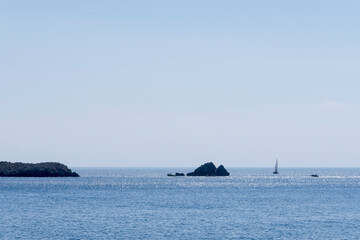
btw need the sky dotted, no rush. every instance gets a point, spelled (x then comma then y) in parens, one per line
(180, 83)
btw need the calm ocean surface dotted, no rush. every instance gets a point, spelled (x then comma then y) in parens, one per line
(143, 203)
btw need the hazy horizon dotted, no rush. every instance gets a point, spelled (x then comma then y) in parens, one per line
(228, 168)
(180, 83)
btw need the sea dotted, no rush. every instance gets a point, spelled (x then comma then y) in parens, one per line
(143, 203)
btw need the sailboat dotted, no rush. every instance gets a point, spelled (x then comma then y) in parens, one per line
(276, 168)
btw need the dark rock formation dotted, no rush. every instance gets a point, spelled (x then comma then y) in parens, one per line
(221, 171)
(209, 169)
(176, 174)
(46, 169)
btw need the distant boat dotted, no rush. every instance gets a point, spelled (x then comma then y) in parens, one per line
(276, 168)
(314, 175)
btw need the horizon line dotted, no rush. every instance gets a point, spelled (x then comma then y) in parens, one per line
(193, 167)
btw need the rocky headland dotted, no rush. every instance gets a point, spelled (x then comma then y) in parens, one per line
(45, 169)
(209, 169)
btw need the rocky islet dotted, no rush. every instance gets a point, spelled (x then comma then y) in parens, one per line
(45, 169)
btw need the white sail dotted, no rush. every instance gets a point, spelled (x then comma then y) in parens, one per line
(276, 167)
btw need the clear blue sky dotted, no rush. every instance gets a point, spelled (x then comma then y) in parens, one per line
(180, 83)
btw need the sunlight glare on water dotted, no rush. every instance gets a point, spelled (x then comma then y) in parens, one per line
(143, 203)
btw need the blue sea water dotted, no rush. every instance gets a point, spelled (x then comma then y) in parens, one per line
(143, 203)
